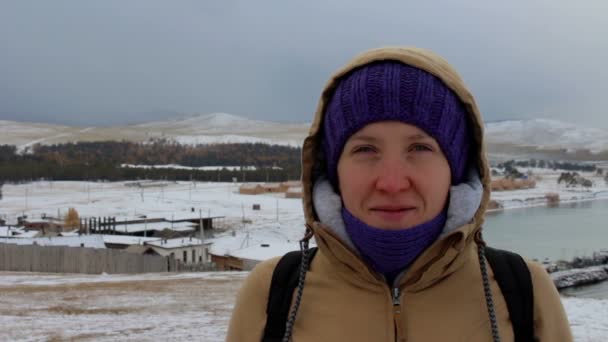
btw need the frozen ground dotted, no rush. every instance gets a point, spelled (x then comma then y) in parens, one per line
(548, 183)
(152, 307)
(178, 200)
(184, 306)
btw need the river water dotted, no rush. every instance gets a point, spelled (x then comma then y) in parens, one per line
(562, 232)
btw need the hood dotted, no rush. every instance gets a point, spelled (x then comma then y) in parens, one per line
(312, 150)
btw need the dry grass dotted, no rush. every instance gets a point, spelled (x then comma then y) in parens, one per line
(155, 285)
(141, 309)
(71, 310)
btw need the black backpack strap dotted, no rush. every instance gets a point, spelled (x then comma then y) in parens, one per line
(515, 282)
(284, 281)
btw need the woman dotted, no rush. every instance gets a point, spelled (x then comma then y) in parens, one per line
(396, 184)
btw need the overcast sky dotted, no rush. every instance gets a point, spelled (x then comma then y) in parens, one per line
(114, 62)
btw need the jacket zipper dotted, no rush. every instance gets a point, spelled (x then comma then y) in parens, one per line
(396, 295)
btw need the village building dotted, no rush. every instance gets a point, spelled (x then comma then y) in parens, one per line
(245, 259)
(505, 184)
(251, 189)
(186, 250)
(273, 188)
(291, 184)
(152, 228)
(295, 192)
(87, 241)
(227, 262)
(44, 225)
(125, 241)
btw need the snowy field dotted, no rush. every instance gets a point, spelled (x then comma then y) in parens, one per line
(548, 183)
(153, 307)
(279, 219)
(185, 306)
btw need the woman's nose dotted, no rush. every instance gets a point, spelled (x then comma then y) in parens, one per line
(393, 176)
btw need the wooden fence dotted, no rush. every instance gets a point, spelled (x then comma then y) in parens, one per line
(56, 259)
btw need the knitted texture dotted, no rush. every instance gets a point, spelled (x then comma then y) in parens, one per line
(390, 251)
(391, 90)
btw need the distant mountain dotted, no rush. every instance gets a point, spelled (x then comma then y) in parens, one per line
(199, 129)
(222, 127)
(546, 138)
(540, 138)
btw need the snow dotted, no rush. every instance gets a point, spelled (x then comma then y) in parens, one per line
(153, 226)
(28, 234)
(580, 276)
(263, 252)
(198, 129)
(184, 306)
(88, 241)
(587, 318)
(548, 183)
(10, 231)
(226, 128)
(176, 243)
(181, 167)
(127, 239)
(168, 309)
(232, 139)
(546, 133)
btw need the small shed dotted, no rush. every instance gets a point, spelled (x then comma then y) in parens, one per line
(227, 262)
(496, 185)
(507, 184)
(187, 250)
(552, 198)
(273, 188)
(295, 192)
(493, 204)
(251, 189)
(291, 184)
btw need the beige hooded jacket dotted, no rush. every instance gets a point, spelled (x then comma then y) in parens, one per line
(442, 296)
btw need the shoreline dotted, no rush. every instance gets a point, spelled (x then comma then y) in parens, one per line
(544, 203)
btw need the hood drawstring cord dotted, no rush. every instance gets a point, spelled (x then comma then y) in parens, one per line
(304, 265)
(481, 253)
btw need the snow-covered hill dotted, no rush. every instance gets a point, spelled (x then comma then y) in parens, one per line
(547, 134)
(199, 129)
(513, 138)
(224, 128)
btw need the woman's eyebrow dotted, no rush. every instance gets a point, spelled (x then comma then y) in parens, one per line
(418, 136)
(364, 138)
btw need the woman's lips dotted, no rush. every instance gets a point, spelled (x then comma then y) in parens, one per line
(392, 213)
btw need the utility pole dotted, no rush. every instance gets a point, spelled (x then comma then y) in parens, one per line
(145, 217)
(200, 220)
(243, 209)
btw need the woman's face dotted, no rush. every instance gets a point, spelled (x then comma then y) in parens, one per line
(393, 175)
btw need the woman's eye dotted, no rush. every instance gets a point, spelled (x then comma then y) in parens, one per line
(363, 149)
(421, 148)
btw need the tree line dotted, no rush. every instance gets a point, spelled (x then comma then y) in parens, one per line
(102, 161)
(548, 165)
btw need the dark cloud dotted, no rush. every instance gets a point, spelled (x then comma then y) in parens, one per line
(114, 62)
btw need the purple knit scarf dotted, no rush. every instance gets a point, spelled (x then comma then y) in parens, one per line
(390, 251)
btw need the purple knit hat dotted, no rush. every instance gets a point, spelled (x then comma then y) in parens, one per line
(391, 90)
